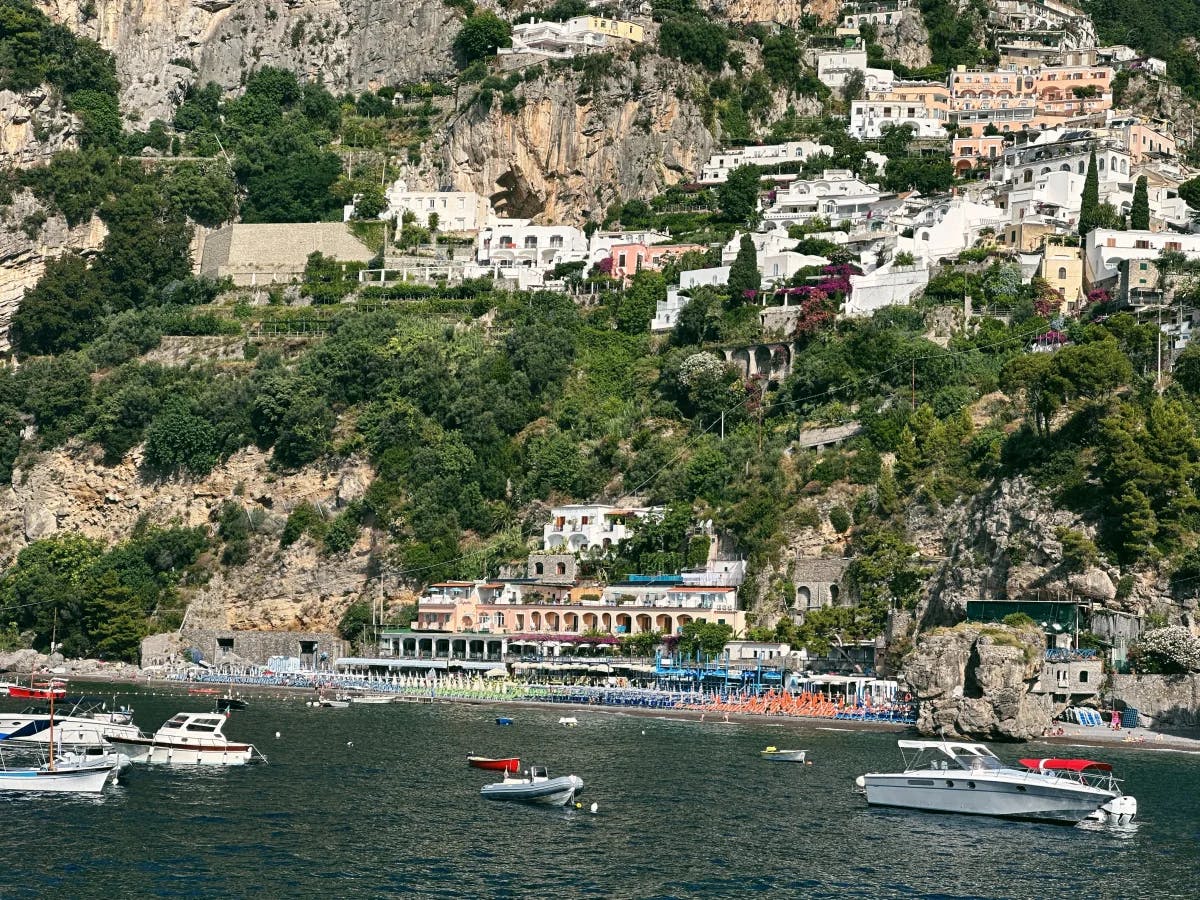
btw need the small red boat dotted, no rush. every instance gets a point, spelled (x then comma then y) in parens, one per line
(38, 691)
(203, 691)
(511, 764)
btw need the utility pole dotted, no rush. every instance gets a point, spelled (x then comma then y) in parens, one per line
(914, 385)
(1158, 386)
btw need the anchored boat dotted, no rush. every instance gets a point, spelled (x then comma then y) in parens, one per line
(535, 787)
(947, 776)
(508, 764)
(189, 739)
(776, 755)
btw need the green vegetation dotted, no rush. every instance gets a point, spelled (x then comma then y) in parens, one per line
(1157, 28)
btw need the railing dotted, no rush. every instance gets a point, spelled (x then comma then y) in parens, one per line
(1065, 654)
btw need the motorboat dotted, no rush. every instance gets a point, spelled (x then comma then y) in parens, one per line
(948, 776)
(373, 699)
(227, 702)
(55, 689)
(535, 786)
(776, 755)
(568, 720)
(188, 739)
(334, 702)
(63, 775)
(508, 764)
(503, 720)
(83, 726)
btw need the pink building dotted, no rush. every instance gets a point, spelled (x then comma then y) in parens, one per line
(630, 258)
(974, 152)
(1074, 90)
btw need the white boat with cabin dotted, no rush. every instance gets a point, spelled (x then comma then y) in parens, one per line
(189, 739)
(82, 775)
(81, 727)
(949, 776)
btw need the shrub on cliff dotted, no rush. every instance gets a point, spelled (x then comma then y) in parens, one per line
(1173, 650)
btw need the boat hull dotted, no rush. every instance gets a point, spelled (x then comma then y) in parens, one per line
(148, 751)
(85, 780)
(1011, 797)
(511, 764)
(784, 755)
(552, 792)
(69, 731)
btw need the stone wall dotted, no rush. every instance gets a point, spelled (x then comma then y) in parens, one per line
(218, 647)
(1166, 699)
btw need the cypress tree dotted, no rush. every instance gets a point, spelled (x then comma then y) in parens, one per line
(1089, 207)
(1139, 213)
(743, 274)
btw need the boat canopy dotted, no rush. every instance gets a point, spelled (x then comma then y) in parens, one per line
(950, 748)
(1065, 765)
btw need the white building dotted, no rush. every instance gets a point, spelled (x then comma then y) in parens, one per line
(834, 67)
(457, 211)
(948, 227)
(777, 261)
(1106, 249)
(888, 285)
(1058, 150)
(719, 165)
(837, 196)
(594, 527)
(666, 312)
(515, 243)
(925, 106)
(562, 40)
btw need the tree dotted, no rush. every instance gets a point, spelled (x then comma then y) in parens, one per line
(737, 198)
(706, 638)
(481, 35)
(852, 87)
(1138, 523)
(1190, 192)
(1089, 205)
(1186, 370)
(694, 39)
(638, 304)
(178, 439)
(61, 312)
(1139, 212)
(744, 277)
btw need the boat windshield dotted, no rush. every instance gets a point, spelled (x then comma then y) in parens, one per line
(975, 762)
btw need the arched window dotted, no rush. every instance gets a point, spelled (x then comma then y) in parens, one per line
(833, 593)
(1062, 273)
(561, 568)
(539, 569)
(803, 597)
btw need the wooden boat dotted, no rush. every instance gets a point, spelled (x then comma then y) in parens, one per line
(38, 690)
(535, 787)
(776, 755)
(509, 764)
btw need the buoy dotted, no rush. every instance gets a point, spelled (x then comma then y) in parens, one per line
(277, 735)
(860, 781)
(578, 805)
(349, 743)
(643, 732)
(595, 808)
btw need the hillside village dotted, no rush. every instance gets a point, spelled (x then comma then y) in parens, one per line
(575, 349)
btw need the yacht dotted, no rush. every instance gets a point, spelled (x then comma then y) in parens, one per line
(79, 728)
(188, 739)
(948, 776)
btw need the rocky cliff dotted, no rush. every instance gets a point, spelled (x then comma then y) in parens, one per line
(975, 680)
(779, 12)
(1168, 700)
(33, 127)
(163, 45)
(575, 144)
(298, 587)
(907, 41)
(28, 237)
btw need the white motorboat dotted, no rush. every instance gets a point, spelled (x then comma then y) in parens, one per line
(948, 776)
(776, 755)
(64, 776)
(371, 700)
(568, 721)
(188, 739)
(535, 786)
(81, 727)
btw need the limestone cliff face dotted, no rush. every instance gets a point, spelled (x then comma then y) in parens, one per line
(907, 41)
(70, 490)
(33, 127)
(563, 154)
(974, 681)
(27, 239)
(1005, 544)
(163, 45)
(781, 12)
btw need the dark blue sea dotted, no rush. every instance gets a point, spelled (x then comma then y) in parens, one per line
(377, 801)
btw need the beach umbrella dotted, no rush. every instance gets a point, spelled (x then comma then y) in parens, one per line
(498, 672)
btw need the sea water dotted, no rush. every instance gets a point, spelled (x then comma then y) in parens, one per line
(375, 801)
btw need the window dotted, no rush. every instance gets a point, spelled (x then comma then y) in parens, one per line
(1062, 273)
(561, 568)
(1142, 245)
(539, 569)
(1083, 676)
(530, 242)
(1175, 246)
(556, 240)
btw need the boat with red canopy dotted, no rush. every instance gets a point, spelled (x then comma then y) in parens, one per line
(508, 764)
(1066, 765)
